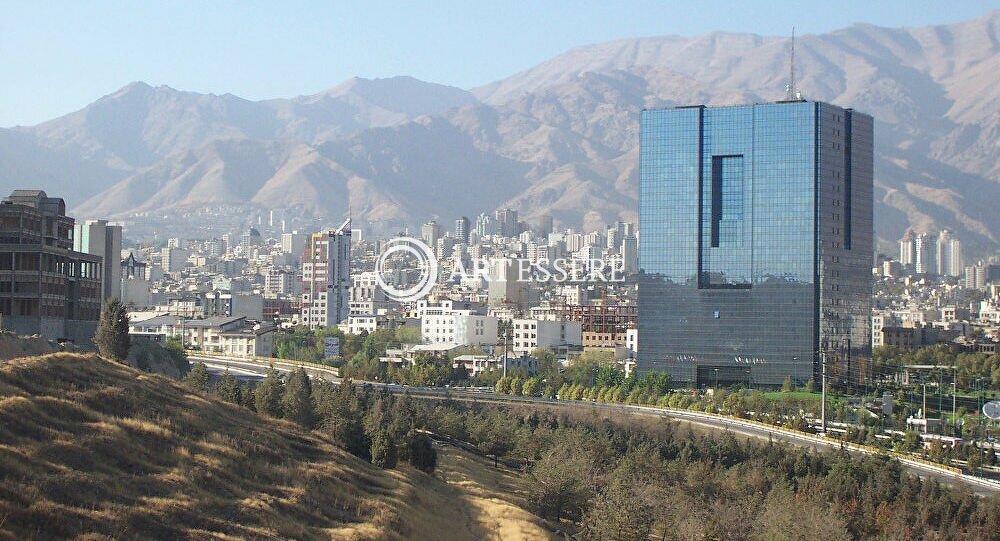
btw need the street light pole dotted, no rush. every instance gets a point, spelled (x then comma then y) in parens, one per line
(822, 407)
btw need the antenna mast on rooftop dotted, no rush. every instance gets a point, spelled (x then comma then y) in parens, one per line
(792, 93)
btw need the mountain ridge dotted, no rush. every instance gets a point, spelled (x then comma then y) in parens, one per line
(558, 138)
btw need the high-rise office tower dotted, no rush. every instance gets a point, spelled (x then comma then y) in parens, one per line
(96, 237)
(326, 278)
(430, 232)
(506, 222)
(462, 230)
(544, 226)
(756, 243)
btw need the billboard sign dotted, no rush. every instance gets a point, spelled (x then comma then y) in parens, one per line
(331, 347)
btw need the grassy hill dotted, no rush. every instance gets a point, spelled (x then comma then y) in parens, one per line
(93, 449)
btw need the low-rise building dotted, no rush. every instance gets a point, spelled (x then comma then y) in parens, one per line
(528, 334)
(236, 336)
(444, 325)
(475, 365)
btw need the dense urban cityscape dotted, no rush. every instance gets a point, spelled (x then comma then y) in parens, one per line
(743, 355)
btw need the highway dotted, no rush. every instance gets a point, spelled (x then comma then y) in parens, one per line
(247, 368)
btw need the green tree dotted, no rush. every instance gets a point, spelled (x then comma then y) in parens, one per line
(175, 349)
(503, 385)
(421, 451)
(515, 385)
(560, 485)
(268, 394)
(197, 378)
(787, 386)
(228, 389)
(531, 386)
(618, 514)
(296, 401)
(383, 450)
(112, 339)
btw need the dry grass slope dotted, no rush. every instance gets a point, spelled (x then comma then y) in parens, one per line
(93, 449)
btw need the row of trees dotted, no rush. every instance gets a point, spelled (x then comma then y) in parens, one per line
(635, 479)
(304, 344)
(631, 478)
(376, 426)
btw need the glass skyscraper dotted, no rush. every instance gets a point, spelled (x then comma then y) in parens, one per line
(755, 242)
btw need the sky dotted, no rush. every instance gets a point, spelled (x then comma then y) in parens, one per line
(57, 56)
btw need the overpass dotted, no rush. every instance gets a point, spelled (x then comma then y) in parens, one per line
(922, 468)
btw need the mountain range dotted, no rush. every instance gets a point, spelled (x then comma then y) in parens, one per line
(560, 138)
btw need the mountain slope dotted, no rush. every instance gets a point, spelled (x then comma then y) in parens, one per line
(90, 448)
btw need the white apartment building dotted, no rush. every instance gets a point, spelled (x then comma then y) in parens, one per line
(528, 334)
(444, 325)
(477, 364)
(326, 278)
(631, 342)
(281, 282)
(368, 323)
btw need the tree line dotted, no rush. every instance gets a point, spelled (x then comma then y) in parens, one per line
(376, 426)
(629, 478)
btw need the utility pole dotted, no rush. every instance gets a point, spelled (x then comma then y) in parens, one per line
(822, 407)
(925, 408)
(954, 401)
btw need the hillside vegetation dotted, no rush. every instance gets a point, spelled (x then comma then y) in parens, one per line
(94, 449)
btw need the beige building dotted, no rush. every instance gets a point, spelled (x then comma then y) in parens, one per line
(236, 336)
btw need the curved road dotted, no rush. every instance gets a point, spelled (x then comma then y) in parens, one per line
(255, 369)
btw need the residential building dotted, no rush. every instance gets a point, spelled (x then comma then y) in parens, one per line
(97, 237)
(46, 287)
(462, 230)
(757, 242)
(475, 365)
(235, 336)
(528, 334)
(173, 259)
(949, 254)
(925, 254)
(326, 278)
(224, 303)
(446, 325)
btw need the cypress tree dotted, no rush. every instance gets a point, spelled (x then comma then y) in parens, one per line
(112, 339)
(197, 378)
(268, 394)
(297, 402)
(383, 450)
(229, 389)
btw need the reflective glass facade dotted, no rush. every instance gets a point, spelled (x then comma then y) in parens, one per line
(755, 242)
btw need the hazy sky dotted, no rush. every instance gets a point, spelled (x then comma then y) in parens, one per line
(57, 56)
